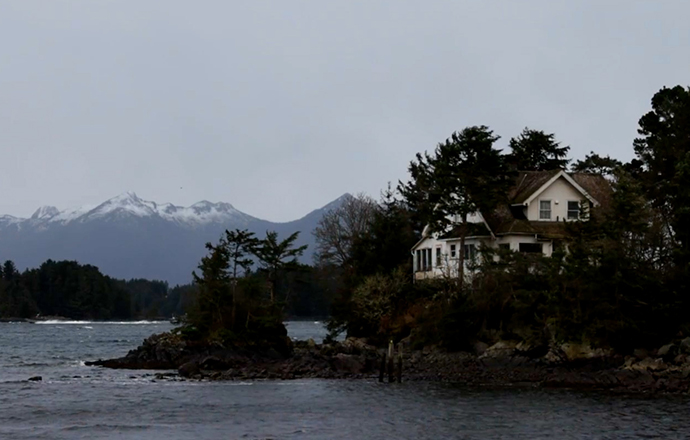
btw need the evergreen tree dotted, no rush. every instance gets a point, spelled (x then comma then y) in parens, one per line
(663, 150)
(465, 174)
(534, 150)
(275, 256)
(213, 283)
(595, 164)
(241, 245)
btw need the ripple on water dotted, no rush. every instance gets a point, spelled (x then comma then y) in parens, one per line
(75, 401)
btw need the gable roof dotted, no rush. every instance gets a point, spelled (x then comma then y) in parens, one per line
(527, 183)
(570, 180)
(502, 220)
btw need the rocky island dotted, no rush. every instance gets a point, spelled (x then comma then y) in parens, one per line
(506, 363)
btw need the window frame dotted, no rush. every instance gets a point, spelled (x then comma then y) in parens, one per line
(524, 248)
(577, 212)
(550, 210)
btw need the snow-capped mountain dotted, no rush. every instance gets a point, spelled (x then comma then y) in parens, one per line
(130, 205)
(128, 237)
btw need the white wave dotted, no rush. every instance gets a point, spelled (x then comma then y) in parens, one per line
(59, 321)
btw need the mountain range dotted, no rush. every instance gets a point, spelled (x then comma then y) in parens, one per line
(127, 237)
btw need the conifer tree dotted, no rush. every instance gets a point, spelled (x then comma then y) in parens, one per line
(465, 174)
(535, 150)
(663, 150)
(274, 256)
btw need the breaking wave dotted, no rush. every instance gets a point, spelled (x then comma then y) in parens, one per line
(65, 322)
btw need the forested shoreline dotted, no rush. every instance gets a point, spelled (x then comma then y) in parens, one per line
(68, 289)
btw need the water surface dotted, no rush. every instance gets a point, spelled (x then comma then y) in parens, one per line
(74, 401)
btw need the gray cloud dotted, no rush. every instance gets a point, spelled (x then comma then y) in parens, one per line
(279, 107)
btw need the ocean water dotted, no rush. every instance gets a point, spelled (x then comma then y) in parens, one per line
(74, 401)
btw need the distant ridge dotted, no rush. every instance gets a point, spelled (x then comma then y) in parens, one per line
(128, 237)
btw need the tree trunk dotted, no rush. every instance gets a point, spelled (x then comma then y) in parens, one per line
(234, 297)
(461, 256)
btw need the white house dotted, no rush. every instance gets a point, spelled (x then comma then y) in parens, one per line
(533, 220)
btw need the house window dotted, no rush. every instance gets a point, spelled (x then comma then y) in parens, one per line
(428, 259)
(469, 251)
(419, 260)
(573, 210)
(531, 248)
(438, 256)
(504, 246)
(452, 251)
(545, 209)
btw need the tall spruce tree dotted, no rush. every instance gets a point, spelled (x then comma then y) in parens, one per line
(596, 164)
(465, 174)
(535, 150)
(241, 246)
(275, 256)
(663, 150)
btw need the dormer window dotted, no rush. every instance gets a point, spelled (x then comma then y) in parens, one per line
(573, 210)
(545, 210)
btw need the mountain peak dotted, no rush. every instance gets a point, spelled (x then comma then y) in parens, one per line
(45, 212)
(127, 196)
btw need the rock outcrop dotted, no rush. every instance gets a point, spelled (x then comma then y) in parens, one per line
(506, 363)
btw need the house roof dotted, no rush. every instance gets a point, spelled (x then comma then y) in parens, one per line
(473, 230)
(527, 183)
(502, 220)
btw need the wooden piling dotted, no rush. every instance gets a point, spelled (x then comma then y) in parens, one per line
(382, 371)
(400, 363)
(391, 374)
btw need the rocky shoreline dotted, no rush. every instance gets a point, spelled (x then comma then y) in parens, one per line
(503, 364)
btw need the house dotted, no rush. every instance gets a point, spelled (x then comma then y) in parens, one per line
(533, 220)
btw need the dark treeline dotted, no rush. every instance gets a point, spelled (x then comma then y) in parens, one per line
(71, 290)
(619, 280)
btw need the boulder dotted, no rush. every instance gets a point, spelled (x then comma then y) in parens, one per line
(574, 351)
(357, 345)
(649, 364)
(680, 359)
(668, 351)
(189, 369)
(555, 356)
(348, 363)
(480, 348)
(500, 349)
(212, 363)
(685, 345)
(640, 353)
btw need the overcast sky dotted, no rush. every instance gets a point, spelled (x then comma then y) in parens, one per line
(279, 107)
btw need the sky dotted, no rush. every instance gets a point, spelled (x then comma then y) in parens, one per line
(279, 107)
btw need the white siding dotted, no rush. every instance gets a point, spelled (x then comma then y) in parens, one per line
(559, 193)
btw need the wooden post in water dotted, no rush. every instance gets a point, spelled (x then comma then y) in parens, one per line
(382, 371)
(390, 362)
(400, 362)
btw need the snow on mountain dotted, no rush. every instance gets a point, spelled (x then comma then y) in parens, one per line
(128, 237)
(129, 204)
(45, 212)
